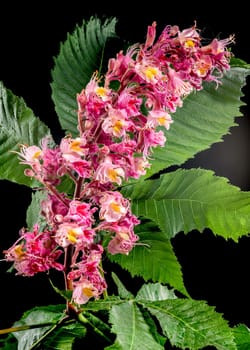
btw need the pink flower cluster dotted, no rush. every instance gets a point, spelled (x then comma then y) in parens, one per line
(121, 118)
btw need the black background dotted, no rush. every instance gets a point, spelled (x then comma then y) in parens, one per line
(214, 269)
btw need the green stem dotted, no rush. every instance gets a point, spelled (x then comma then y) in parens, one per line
(105, 292)
(25, 327)
(56, 194)
(78, 188)
(68, 284)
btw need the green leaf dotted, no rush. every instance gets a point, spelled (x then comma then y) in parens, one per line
(154, 327)
(36, 316)
(242, 337)
(154, 292)
(122, 290)
(205, 117)
(33, 214)
(135, 333)
(238, 62)
(184, 200)
(18, 126)
(103, 304)
(65, 294)
(153, 259)
(60, 335)
(191, 324)
(79, 57)
(8, 343)
(64, 337)
(114, 346)
(95, 324)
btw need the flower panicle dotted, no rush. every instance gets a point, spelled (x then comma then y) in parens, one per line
(119, 126)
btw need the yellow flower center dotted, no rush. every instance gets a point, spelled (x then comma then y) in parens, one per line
(118, 126)
(101, 91)
(19, 252)
(203, 68)
(72, 235)
(75, 145)
(115, 207)
(87, 291)
(161, 120)
(151, 72)
(124, 235)
(112, 175)
(36, 155)
(189, 43)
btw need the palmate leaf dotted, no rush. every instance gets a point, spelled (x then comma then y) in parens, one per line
(18, 125)
(205, 117)
(191, 324)
(184, 200)
(36, 316)
(134, 334)
(186, 323)
(53, 337)
(79, 57)
(153, 259)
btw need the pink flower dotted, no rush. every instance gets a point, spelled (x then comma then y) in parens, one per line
(109, 172)
(113, 206)
(73, 234)
(46, 163)
(129, 102)
(151, 33)
(88, 281)
(122, 243)
(31, 155)
(149, 138)
(177, 85)
(189, 38)
(203, 66)
(80, 213)
(36, 253)
(83, 291)
(116, 122)
(73, 147)
(54, 209)
(159, 118)
(148, 72)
